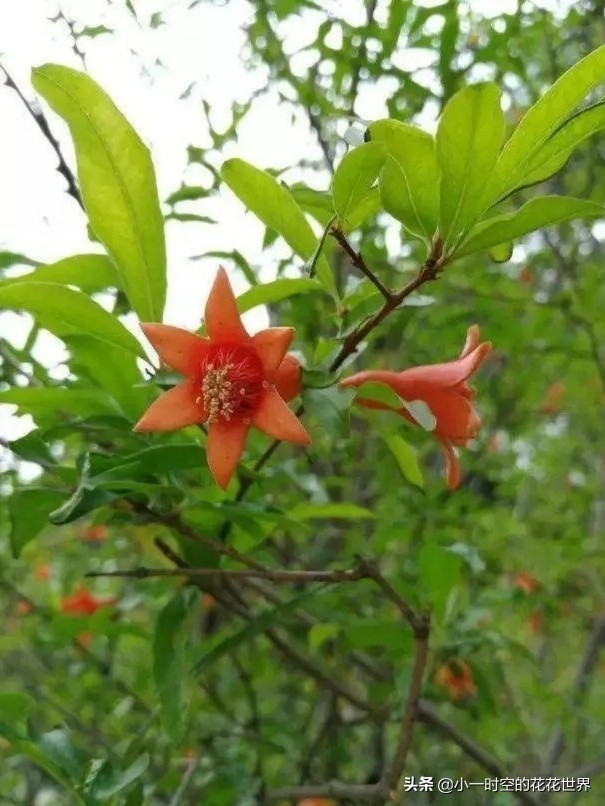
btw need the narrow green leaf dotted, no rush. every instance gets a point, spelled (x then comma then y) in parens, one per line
(439, 572)
(354, 177)
(543, 119)
(275, 291)
(46, 755)
(303, 512)
(169, 660)
(8, 259)
(545, 211)
(117, 181)
(380, 393)
(66, 312)
(409, 180)
(29, 510)
(469, 137)
(274, 205)
(406, 459)
(89, 273)
(558, 148)
(103, 781)
(52, 401)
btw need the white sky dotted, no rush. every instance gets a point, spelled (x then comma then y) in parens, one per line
(204, 44)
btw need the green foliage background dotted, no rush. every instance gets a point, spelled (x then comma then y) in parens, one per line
(178, 701)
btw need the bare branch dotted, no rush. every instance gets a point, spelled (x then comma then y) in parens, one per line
(40, 119)
(357, 260)
(296, 577)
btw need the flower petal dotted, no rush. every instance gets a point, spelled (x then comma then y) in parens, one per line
(452, 468)
(411, 382)
(175, 409)
(274, 418)
(222, 318)
(287, 378)
(224, 448)
(180, 349)
(271, 345)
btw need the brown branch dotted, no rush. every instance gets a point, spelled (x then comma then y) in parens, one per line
(42, 123)
(392, 775)
(297, 577)
(357, 260)
(428, 271)
(416, 622)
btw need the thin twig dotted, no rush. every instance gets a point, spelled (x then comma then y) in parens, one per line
(42, 123)
(357, 260)
(185, 781)
(392, 775)
(297, 577)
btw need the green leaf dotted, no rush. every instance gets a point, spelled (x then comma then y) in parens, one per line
(394, 636)
(275, 291)
(14, 707)
(49, 403)
(29, 510)
(354, 177)
(545, 211)
(117, 373)
(102, 781)
(169, 659)
(320, 633)
(557, 149)
(469, 137)
(274, 205)
(118, 184)
(52, 752)
(543, 119)
(66, 312)
(379, 392)
(328, 409)
(439, 571)
(409, 180)
(8, 259)
(365, 208)
(187, 193)
(502, 253)
(89, 273)
(406, 459)
(303, 512)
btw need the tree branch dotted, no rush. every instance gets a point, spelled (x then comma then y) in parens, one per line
(357, 260)
(296, 577)
(40, 119)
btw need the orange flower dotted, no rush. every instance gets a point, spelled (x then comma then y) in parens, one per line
(316, 802)
(441, 387)
(23, 608)
(42, 572)
(526, 582)
(457, 677)
(552, 401)
(233, 382)
(83, 603)
(526, 276)
(208, 601)
(95, 534)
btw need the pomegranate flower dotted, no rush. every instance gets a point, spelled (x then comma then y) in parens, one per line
(83, 603)
(233, 382)
(457, 678)
(443, 388)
